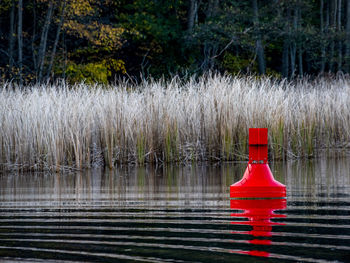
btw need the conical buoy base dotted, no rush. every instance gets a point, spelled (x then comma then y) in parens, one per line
(258, 182)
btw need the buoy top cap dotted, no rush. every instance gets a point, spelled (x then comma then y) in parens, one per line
(257, 136)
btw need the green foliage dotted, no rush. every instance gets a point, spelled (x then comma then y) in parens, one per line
(100, 40)
(235, 64)
(5, 6)
(155, 32)
(95, 72)
(273, 73)
(90, 73)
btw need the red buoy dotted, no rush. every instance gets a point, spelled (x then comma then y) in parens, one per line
(258, 181)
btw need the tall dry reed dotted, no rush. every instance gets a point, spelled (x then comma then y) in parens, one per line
(57, 127)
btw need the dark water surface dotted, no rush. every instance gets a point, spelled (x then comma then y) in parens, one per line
(175, 214)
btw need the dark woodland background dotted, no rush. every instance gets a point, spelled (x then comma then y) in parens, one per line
(100, 41)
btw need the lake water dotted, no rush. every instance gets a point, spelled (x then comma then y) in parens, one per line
(176, 214)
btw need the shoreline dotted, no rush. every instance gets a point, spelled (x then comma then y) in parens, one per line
(77, 127)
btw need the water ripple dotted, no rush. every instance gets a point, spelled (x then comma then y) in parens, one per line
(97, 218)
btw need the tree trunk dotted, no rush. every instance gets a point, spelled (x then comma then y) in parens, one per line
(258, 44)
(20, 41)
(293, 45)
(327, 34)
(192, 13)
(300, 60)
(11, 37)
(340, 46)
(334, 12)
(34, 38)
(209, 48)
(347, 41)
(285, 58)
(299, 44)
(323, 47)
(64, 55)
(56, 39)
(293, 53)
(212, 8)
(286, 46)
(43, 41)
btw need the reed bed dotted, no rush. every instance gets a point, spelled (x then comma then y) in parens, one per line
(60, 126)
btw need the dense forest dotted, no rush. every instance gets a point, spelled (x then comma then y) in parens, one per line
(99, 41)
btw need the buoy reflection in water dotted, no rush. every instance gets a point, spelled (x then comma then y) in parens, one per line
(259, 213)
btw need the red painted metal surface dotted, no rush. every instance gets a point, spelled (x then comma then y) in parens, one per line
(258, 181)
(258, 145)
(258, 136)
